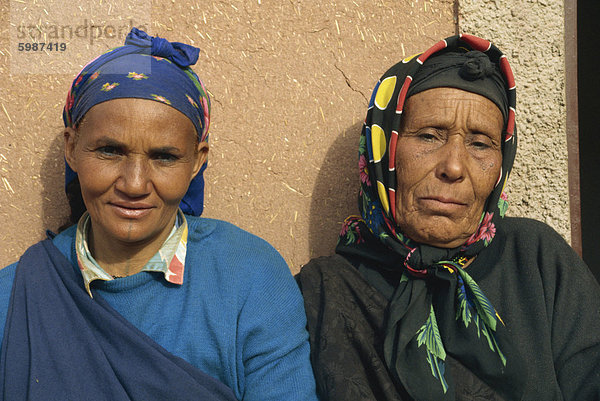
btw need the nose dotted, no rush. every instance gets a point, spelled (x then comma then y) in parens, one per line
(133, 179)
(452, 158)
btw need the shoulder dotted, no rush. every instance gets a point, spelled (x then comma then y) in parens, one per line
(202, 227)
(229, 239)
(325, 265)
(7, 273)
(65, 242)
(530, 229)
(534, 249)
(326, 272)
(227, 251)
(533, 240)
(7, 277)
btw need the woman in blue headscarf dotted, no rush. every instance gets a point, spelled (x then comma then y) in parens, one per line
(141, 299)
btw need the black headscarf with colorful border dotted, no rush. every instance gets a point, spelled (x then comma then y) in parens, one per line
(418, 335)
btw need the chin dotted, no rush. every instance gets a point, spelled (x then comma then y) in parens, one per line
(447, 242)
(441, 234)
(129, 231)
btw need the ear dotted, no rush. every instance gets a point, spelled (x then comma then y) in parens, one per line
(201, 156)
(70, 137)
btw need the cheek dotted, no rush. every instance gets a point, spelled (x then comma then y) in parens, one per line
(490, 166)
(406, 181)
(485, 181)
(172, 185)
(411, 169)
(95, 178)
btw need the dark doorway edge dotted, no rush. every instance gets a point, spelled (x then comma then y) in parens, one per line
(572, 122)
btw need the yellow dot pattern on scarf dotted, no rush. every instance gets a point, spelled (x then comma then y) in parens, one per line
(377, 142)
(385, 92)
(383, 196)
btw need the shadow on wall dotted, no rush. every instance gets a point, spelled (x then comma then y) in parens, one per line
(334, 196)
(55, 208)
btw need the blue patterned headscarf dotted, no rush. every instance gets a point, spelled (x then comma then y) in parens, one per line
(145, 67)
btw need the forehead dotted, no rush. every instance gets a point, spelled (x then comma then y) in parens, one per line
(135, 114)
(443, 106)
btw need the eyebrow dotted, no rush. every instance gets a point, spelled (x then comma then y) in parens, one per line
(488, 130)
(496, 139)
(165, 149)
(441, 122)
(109, 141)
(106, 140)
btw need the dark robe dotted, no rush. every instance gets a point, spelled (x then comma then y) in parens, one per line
(546, 295)
(60, 344)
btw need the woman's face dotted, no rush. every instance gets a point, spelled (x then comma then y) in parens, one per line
(448, 159)
(135, 159)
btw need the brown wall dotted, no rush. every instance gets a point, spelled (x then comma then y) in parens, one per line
(531, 33)
(289, 82)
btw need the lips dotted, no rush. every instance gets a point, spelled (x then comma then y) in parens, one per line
(443, 199)
(131, 210)
(442, 204)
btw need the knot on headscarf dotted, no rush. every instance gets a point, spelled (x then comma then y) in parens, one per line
(425, 262)
(179, 53)
(476, 66)
(472, 71)
(151, 68)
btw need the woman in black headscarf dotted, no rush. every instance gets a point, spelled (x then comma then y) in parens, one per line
(433, 294)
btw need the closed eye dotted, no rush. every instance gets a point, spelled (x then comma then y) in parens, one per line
(482, 141)
(481, 145)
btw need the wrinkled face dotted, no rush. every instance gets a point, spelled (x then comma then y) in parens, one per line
(135, 159)
(448, 159)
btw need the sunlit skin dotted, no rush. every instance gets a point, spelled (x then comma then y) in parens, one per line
(135, 159)
(448, 159)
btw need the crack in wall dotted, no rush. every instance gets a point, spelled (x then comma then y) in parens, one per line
(349, 83)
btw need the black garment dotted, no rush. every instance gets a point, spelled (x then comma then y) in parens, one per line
(544, 293)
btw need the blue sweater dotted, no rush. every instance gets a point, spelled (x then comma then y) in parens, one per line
(239, 315)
